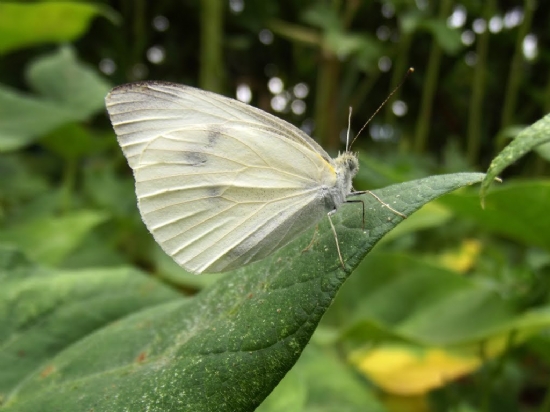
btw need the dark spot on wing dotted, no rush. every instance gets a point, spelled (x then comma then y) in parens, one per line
(195, 158)
(215, 191)
(214, 134)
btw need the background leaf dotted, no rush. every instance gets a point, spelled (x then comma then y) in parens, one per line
(67, 90)
(517, 210)
(320, 382)
(28, 24)
(413, 322)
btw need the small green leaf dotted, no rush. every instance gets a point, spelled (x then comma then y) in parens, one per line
(24, 25)
(69, 91)
(446, 37)
(61, 78)
(229, 346)
(535, 135)
(16, 109)
(410, 20)
(345, 44)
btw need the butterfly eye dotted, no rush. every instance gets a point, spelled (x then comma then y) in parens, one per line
(351, 163)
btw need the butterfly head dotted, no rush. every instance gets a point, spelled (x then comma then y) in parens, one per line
(347, 166)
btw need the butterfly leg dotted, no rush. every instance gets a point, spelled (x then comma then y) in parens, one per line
(312, 239)
(336, 238)
(379, 200)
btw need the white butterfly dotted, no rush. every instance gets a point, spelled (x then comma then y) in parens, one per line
(221, 184)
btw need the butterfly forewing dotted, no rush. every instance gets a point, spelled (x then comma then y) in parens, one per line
(169, 106)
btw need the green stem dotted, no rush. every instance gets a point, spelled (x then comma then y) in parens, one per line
(138, 40)
(326, 110)
(211, 70)
(478, 90)
(428, 91)
(515, 74)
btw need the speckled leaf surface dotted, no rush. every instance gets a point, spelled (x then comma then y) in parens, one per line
(227, 348)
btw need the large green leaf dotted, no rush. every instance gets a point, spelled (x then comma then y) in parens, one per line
(227, 348)
(28, 24)
(43, 311)
(67, 91)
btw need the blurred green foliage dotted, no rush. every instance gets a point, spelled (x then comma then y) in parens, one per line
(450, 311)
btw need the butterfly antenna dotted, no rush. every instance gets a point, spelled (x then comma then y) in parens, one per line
(349, 128)
(411, 69)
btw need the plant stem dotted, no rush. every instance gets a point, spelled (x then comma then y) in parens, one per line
(131, 48)
(399, 69)
(329, 113)
(211, 74)
(428, 91)
(515, 74)
(326, 110)
(478, 90)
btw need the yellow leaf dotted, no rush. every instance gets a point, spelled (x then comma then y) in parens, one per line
(463, 259)
(407, 370)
